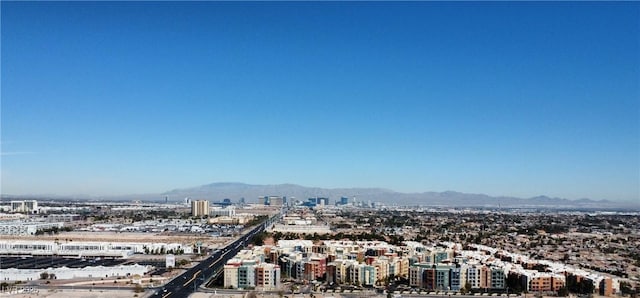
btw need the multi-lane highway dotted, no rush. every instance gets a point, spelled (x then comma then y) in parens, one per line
(189, 281)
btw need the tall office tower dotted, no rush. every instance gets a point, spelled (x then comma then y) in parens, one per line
(322, 201)
(199, 208)
(276, 201)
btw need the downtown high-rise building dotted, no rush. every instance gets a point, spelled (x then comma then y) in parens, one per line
(199, 208)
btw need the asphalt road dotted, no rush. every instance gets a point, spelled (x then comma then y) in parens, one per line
(188, 282)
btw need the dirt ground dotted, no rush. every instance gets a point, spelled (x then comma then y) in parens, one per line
(76, 294)
(126, 237)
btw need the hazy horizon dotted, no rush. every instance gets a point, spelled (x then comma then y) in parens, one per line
(501, 98)
(161, 193)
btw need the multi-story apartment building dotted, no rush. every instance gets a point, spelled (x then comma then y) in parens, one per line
(320, 265)
(362, 274)
(606, 287)
(545, 282)
(485, 277)
(370, 275)
(429, 278)
(442, 277)
(231, 274)
(342, 274)
(498, 278)
(382, 269)
(455, 279)
(267, 276)
(246, 274)
(473, 276)
(403, 266)
(415, 277)
(310, 270)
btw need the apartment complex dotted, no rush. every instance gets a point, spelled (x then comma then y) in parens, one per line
(443, 267)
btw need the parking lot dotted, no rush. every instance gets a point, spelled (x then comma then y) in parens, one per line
(54, 262)
(159, 266)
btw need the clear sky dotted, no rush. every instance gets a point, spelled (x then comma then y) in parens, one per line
(504, 98)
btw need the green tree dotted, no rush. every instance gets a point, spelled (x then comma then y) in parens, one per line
(626, 288)
(514, 283)
(138, 288)
(466, 289)
(584, 286)
(563, 292)
(258, 239)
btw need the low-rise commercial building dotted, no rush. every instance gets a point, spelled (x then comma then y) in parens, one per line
(86, 249)
(13, 274)
(26, 206)
(22, 228)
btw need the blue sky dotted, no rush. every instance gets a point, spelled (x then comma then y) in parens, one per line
(504, 98)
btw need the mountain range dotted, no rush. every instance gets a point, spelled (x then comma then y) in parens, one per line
(235, 191)
(251, 192)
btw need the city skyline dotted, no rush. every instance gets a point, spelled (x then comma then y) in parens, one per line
(505, 99)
